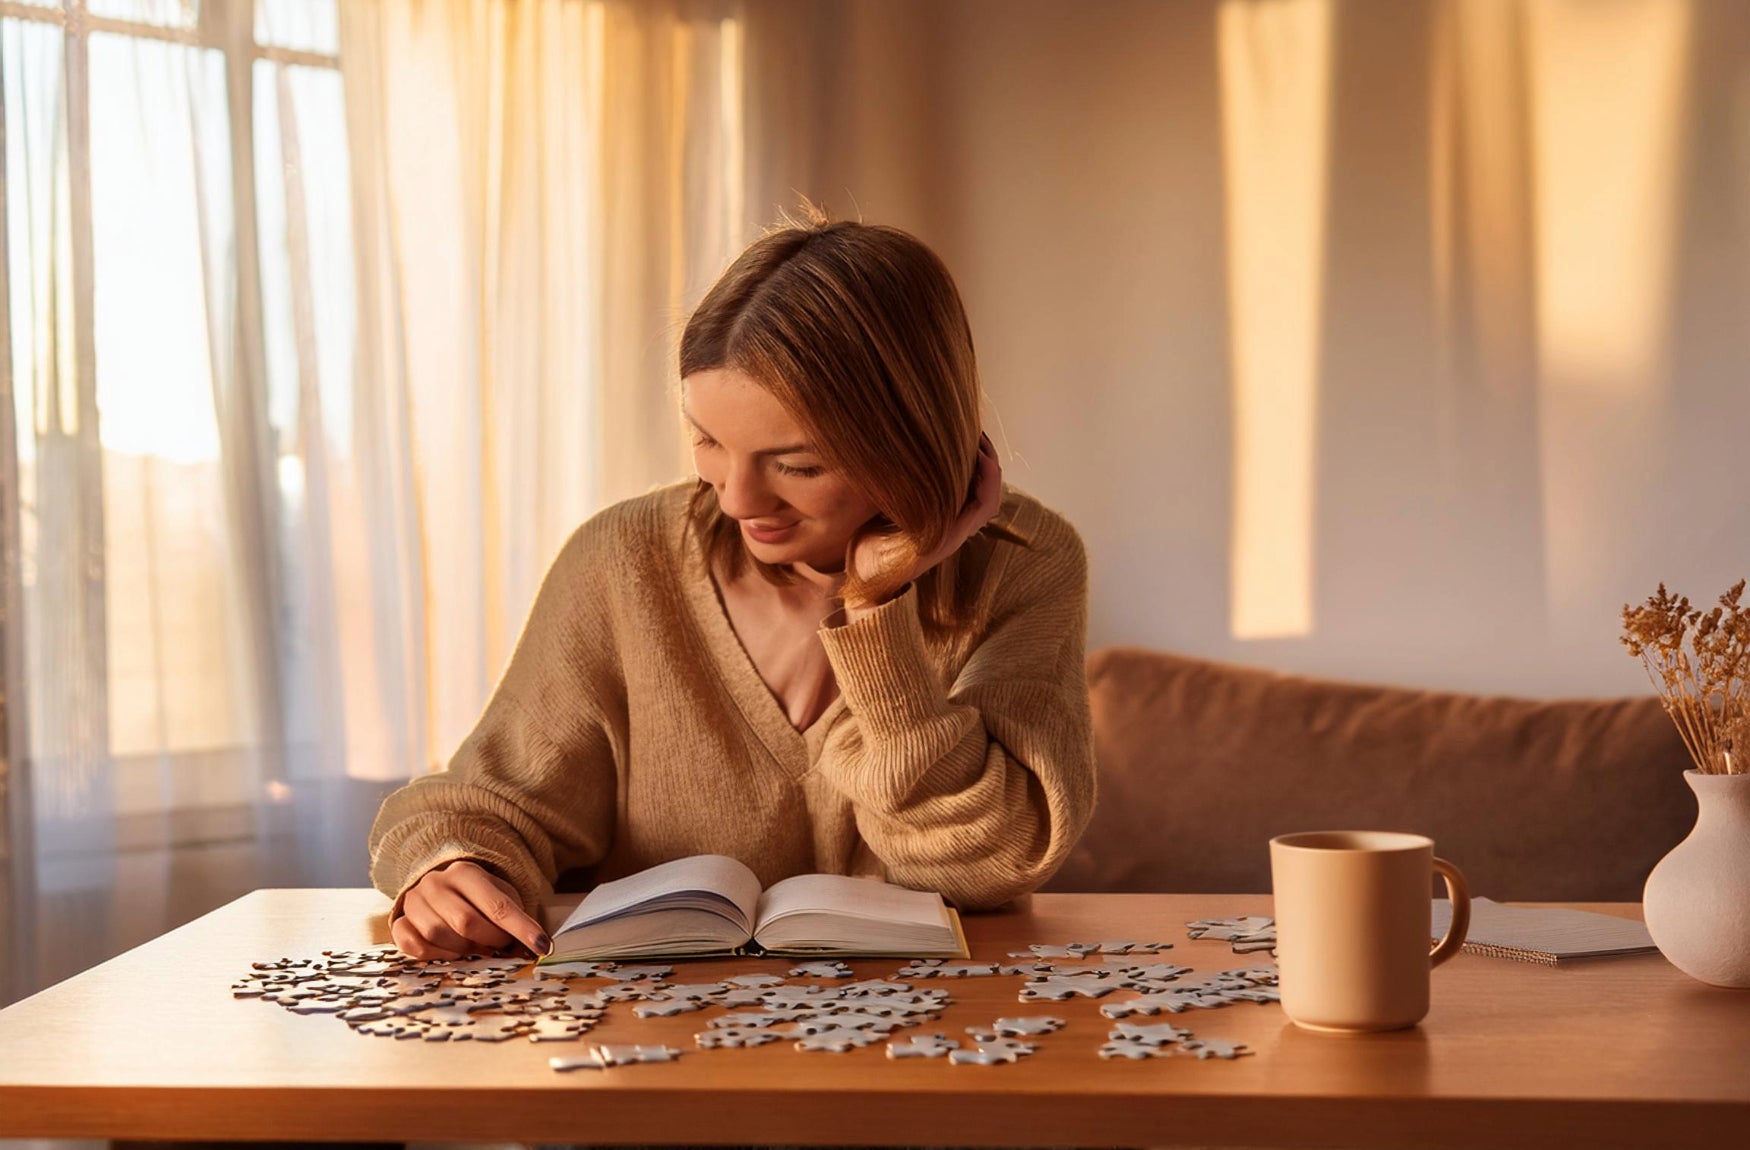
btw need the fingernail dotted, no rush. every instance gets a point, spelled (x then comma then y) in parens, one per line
(543, 944)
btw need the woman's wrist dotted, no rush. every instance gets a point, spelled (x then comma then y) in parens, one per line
(851, 612)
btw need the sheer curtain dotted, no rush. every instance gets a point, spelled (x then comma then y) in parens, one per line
(542, 189)
(318, 344)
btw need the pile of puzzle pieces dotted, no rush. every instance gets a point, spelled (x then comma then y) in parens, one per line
(383, 993)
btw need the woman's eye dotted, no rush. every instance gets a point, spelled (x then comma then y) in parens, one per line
(800, 472)
(701, 442)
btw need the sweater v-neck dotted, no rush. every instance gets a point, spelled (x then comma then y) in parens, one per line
(792, 748)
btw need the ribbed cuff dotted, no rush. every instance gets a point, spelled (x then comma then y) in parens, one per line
(521, 873)
(883, 668)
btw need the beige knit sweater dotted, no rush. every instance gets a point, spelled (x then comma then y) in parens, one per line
(631, 728)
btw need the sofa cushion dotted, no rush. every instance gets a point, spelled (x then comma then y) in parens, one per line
(1201, 763)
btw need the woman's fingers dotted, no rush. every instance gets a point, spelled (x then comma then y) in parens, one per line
(429, 922)
(499, 902)
(413, 944)
(462, 908)
(459, 913)
(988, 484)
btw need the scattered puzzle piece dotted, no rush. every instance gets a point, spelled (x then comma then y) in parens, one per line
(735, 1036)
(1227, 929)
(1246, 935)
(582, 1004)
(667, 1008)
(576, 970)
(1214, 1048)
(1029, 1025)
(1069, 950)
(1159, 1034)
(1037, 966)
(800, 997)
(602, 1057)
(922, 1046)
(873, 987)
(1058, 987)
(755, 981)
(1153, 972)
(558, 1030)
(821, 1024)
(697, 991)
(630, 992)
(820, 970)
(838, 1041)
(756, 1018)
(991, 1052)
(735, 998)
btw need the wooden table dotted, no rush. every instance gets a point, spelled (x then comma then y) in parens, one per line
(1621, 1052)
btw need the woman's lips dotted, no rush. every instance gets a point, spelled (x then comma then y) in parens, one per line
(769, 534)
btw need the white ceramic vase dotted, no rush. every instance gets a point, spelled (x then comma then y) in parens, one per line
(1697, 900)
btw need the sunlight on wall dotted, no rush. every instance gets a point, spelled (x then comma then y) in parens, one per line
(729, 96)
(1608, 107)
(1479, 181)
(1275, 66)
(1608, 115)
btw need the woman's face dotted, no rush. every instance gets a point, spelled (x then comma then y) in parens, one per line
(768, 478)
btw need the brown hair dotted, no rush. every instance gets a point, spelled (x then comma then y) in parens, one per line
(858, 331)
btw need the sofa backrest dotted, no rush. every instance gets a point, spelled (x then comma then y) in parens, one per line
(1201, 763)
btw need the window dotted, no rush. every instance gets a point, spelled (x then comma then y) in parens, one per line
(179, 324)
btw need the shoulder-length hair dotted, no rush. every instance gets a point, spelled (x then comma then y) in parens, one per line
(858, 331)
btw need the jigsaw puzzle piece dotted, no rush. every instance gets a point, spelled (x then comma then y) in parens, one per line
(923, 1046)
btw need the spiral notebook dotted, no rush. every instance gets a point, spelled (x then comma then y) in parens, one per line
(1549, 935)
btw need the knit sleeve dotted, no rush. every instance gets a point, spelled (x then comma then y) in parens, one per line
(976, 788)
(531, 792)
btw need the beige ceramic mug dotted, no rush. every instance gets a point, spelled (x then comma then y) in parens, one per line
(1353, 918)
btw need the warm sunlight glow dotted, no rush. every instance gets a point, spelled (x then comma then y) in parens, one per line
(1275, 95)
(1479, 184)
(160, 190)
(1608, 117)
(734, 137)
(1608, 104)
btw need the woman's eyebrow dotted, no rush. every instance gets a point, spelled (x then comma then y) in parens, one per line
(793, 449)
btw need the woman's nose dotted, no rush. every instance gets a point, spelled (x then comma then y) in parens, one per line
(744, 493)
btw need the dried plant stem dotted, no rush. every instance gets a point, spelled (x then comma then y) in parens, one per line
(1699, 663)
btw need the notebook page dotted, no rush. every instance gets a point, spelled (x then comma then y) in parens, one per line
(1558, 931)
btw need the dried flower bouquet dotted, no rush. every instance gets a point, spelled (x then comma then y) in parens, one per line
(1700, 663)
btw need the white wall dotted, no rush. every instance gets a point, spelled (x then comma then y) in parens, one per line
(1532, 378)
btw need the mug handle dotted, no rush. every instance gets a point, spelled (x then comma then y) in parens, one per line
(1459, 893)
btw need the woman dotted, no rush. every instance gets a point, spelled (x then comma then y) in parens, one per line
(846, 647)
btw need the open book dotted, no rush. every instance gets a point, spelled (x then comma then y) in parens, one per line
(710, 904)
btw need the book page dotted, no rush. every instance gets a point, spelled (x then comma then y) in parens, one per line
(858, 897)
(713, 883)
(836, 911)
(673, 931)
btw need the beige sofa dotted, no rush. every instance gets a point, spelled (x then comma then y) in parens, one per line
(1201, 763)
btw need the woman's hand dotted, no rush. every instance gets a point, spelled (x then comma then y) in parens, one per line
(980, 508)
(875, 554)
(462, 908)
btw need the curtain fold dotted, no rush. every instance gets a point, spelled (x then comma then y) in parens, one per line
(509, 325)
